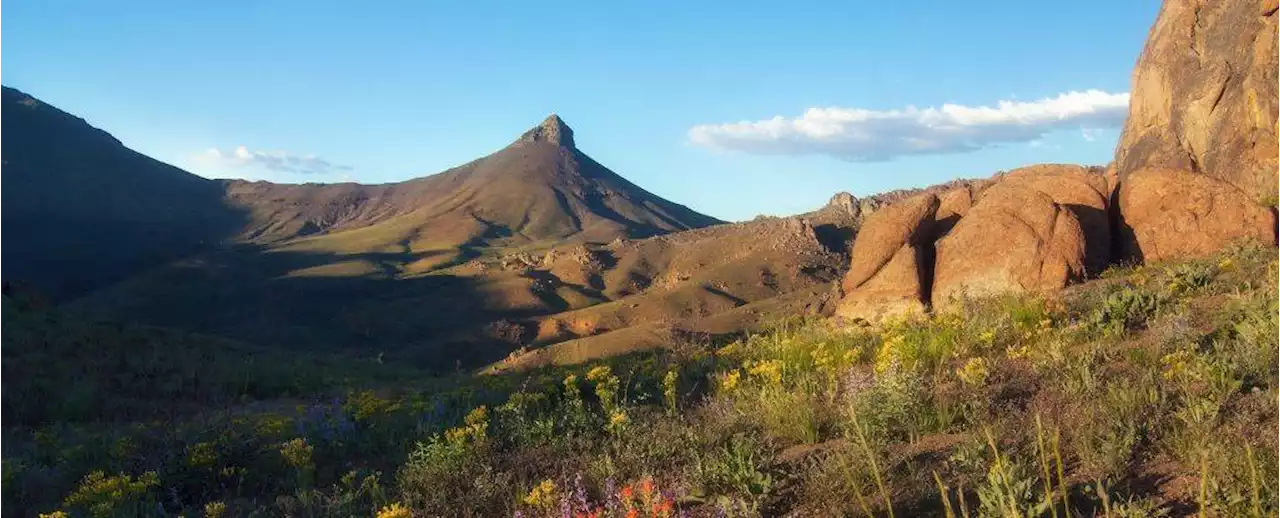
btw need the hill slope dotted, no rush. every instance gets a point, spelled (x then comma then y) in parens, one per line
(81, 210)
(539, 189)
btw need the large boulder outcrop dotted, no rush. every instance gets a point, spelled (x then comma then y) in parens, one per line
(1083, 191)
(1205, 95)
(889, 270)
(1176, 214)
(1016, 239)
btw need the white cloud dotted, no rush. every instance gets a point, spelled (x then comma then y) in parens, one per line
(276, 161)
(869, 135)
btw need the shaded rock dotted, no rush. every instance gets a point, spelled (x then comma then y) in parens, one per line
(1083, 191)
(888, 273)
(1015, 239)
(1174, 214)
(1205, 95)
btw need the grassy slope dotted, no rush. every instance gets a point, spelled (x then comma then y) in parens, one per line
(1151, 391)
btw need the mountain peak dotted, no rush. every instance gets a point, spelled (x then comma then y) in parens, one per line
(552, 130)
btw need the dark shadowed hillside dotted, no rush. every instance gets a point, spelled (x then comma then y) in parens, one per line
(81, 210)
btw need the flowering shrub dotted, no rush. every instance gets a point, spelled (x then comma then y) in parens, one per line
(120, 495)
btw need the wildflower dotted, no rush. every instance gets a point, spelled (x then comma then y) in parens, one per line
(729, 380)
(599, 373)
(394, 511)
(662, 508)
(626, 494)
(974, 372)
(646, 488)
(218, 509)
(474, 430)
(618, 421)
(1015, 352)
(55, 514)
(669, 386)
(1178, 364)
(297, 452)
(106, 495)
(542, 495)
(201, 455)
(770, 370)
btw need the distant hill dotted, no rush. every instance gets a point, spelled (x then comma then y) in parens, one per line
(539, 189)
(81, 210)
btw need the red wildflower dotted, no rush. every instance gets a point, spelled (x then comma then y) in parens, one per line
(646, 487)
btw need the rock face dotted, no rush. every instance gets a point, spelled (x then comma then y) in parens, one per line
(1169, 214)
(955, 203)
(1081, 190)
(1015, 239)
(1205, 95)
(889, 273)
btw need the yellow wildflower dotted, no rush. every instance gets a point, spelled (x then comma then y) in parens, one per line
(217, 510)
(542, 495)
(618, 421)
(394, 511)
(297, 452)
(974, 372)
(1015, 352)
(729, 380)
(770, 370)
(601, 372)
(201, 455)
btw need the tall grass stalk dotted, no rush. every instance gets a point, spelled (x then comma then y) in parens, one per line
(1062, 480)
(1203, 498)
(1044, 468)
(1255, 496)
(1009, 501)
(946, 497)
(871, 459)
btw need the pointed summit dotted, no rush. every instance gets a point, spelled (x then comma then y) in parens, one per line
(552, 130)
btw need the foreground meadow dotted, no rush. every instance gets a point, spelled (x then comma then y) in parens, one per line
(1151, 391)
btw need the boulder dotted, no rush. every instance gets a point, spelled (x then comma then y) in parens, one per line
(898, 288)
(955, 203)
(1083, 191)
(1016, 239)
(1205, 95)
(1168, 214)
(888, 273)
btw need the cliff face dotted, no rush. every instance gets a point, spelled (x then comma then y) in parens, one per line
(1204, 95)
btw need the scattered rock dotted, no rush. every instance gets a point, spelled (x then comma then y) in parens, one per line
(1015, 239)
(1174, 214)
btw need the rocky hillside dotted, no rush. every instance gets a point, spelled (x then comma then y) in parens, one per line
(1195, 171)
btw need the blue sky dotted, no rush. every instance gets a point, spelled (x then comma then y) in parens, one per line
(325, 91)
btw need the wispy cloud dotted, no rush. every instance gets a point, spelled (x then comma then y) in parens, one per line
(871, 135)
(277, 161)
